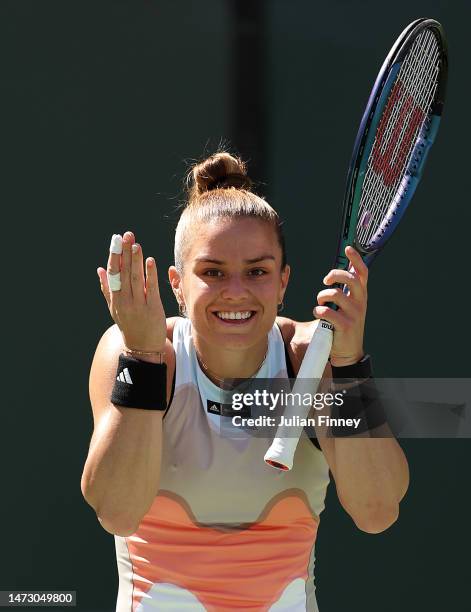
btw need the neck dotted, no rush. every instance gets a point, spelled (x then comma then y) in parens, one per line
(221, 364)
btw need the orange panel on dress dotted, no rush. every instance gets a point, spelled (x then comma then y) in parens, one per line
(225, 568)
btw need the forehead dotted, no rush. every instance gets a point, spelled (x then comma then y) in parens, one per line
(229, 239)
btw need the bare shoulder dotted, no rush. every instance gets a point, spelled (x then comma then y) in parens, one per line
(105, 364)
(287, 327)
(297, 333)
(296, 336)
(170, 326)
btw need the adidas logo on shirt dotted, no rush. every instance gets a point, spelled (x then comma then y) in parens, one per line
(213, 407)
(125, 377)
(226, 409)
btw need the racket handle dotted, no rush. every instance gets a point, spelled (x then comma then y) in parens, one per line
(281, 452)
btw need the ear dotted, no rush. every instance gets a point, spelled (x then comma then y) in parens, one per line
(176, 283)
(284, 281)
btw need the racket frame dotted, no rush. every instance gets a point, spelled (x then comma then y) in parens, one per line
(281, 452)
(366, 135)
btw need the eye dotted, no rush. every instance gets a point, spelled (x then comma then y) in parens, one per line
(213, 273)
(257, 272)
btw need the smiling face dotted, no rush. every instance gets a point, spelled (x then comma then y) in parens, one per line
(232, 270)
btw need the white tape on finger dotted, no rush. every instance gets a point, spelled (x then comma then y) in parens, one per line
(116, 245)
(114, 281)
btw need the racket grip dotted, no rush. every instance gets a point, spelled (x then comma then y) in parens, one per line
(281, 452)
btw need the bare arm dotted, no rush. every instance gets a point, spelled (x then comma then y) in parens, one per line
(121, 474)
(371, 473)
(371, 476)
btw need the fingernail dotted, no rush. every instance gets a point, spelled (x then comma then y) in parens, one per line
(135, 247)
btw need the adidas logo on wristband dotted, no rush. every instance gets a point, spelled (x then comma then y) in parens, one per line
(125, 377)
(140, 384)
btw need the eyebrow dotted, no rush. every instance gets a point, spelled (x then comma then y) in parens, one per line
(221, 263)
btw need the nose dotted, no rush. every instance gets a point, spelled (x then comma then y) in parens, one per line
(234, 288)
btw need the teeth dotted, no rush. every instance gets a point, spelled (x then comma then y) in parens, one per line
(234, 315)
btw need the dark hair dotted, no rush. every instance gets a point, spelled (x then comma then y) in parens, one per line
(219, 187)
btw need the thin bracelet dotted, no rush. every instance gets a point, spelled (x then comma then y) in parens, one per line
(148, 353)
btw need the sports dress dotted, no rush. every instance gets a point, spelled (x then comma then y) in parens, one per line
(225, 532)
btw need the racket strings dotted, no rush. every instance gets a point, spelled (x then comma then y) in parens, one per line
(378, 197)
(409, 69)
(403, 116)
(418, 79)
(417, 83)
(410, 78)
(382, 177)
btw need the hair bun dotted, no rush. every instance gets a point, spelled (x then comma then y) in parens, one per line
(220, 171)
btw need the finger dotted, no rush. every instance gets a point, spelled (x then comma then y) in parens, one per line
(113, 274)
(126, 286)
(338, 319)
(360, 269)
(336, 296)
(349, 307)
(342, 277)
(137, 273)
(114, 256)
(104, 285)
(152, 282)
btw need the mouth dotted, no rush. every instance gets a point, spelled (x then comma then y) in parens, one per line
(235, 318)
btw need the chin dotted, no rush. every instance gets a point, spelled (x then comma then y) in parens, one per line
(240, 335)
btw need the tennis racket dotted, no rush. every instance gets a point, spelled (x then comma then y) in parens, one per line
(397, 130)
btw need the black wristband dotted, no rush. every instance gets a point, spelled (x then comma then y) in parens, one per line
(140, 384)
(361, 399)
(360, 370)
(362, 402)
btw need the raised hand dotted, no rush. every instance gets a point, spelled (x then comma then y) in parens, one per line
(349, 319)
(136, 307)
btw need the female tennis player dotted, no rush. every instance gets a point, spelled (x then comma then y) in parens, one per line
(200, 521)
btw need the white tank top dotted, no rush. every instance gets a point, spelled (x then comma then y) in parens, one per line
(225, 532)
